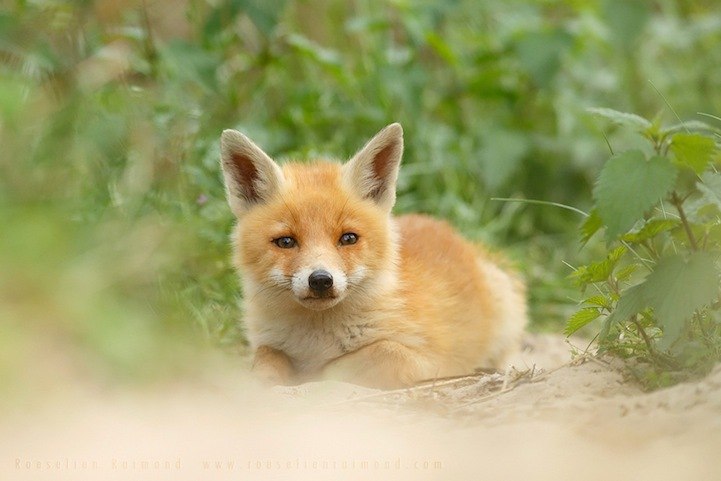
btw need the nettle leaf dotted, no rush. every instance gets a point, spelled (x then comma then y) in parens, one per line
(634, 300)
(625, 273)
(598, 301)
(651, 229)
(674, 290)
(629, 185)
(580, 319)
(621, 118)
(694, 125)
(678, 287)
(590, 226)
(598, 271)
(693, 150)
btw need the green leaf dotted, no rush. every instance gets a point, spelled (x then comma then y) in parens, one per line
(580, 319)
(590, 226)
(626, 272)
(598, 301)
(621, 118)
(689, 125)
(675, 289)
(632, 301)
(693, 150)
(678, 287)
(629, 185)
(599, 271)
(652, 228)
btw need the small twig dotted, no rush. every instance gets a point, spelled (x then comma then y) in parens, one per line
(417, 388)
(484, 398)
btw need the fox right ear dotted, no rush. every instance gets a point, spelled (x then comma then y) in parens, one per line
(251, 177)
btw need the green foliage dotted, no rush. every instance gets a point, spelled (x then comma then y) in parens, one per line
(662, 216)
(629, 185)
(693, 150)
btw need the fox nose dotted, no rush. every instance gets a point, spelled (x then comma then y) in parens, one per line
(320, 280)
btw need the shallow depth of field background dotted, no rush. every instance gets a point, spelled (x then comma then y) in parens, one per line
(114, 260)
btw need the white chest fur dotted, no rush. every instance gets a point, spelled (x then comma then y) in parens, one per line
(312, 342)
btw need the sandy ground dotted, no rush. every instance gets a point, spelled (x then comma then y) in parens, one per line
(549, 418)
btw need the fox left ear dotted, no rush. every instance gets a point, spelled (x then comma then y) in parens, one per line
(373, 171)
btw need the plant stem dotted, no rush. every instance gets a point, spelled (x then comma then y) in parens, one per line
(151, 52)
(646, 340)
(678, 203)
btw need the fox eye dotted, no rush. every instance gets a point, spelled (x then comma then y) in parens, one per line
(285, 242)
(348, 238)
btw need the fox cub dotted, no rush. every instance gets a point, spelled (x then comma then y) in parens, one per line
(335, 287)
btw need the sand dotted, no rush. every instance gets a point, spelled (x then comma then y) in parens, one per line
(550, 417)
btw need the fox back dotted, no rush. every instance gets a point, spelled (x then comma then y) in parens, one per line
(335, 287)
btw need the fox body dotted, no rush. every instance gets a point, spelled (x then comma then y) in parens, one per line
(335, 287)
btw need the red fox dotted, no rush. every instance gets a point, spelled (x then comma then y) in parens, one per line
(335, 287)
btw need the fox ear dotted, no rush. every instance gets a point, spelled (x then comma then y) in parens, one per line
(251, 177)
(373, 171)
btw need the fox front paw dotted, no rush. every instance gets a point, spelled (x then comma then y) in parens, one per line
(272, 367)
(382, 365)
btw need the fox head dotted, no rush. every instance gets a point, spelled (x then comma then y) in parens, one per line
(316, 233)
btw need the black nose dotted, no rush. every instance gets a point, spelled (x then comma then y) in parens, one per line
(320, 280)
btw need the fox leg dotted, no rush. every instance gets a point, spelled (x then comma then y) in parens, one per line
(272, 366)
(383, 364)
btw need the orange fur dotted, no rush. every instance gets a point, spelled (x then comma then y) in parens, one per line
(411, 299)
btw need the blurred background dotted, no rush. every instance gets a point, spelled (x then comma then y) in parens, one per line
(114, 255)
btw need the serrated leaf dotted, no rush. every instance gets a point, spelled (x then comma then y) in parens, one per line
(598, 301)
(621, 118)
(632, 301)
(674, 290)
(626, 272)
(580, 319)
(628, 186)
(677, 287)
(599, 271)
(590, 226)
(651, 229)
(693, 150)
(689, 125)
